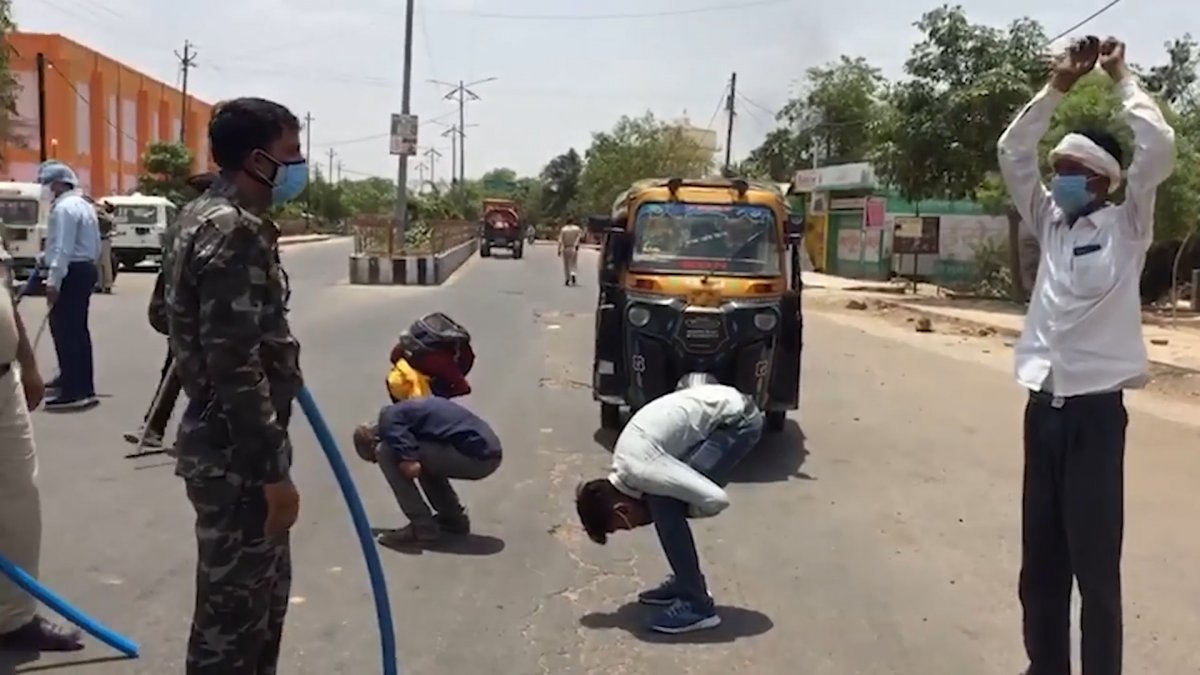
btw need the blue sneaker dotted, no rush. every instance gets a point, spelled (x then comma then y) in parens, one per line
(664, 595)
(684, 617)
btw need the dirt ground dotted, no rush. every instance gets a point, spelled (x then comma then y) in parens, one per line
(1174, 383)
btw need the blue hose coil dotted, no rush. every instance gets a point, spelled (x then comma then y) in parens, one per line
(383, 608)
(50, 599)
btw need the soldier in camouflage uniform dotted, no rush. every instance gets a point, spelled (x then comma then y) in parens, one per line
(239, 366)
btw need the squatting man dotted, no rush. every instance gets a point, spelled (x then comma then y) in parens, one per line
(670, 463)
(1081, 346)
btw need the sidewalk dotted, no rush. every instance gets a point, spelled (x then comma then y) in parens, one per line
(1172, 347)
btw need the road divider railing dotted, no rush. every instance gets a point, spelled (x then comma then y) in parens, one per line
(429, 254)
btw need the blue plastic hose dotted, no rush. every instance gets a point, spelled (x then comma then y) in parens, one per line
(50, 599)
(383, 608)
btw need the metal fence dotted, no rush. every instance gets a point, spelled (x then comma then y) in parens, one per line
(376, 236)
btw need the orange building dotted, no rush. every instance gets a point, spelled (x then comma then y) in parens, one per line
(100, 115)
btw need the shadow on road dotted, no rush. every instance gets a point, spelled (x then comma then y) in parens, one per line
(10, 663)
(606, 438)
(777, 458)
(469, 544)
(736, 623)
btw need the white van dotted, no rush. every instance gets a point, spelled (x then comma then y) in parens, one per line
(139, 222)
(23, 217)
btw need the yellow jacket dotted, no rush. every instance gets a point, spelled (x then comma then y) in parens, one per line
(404, 382)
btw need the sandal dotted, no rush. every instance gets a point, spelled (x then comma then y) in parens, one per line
(407, 536)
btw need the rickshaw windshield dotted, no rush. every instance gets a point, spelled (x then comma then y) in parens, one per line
(136, 215)
(732, 239)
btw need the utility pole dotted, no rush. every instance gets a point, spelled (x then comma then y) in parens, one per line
(187, 61)
(452, 132)
(339, 172)
(308, 120)
(461, 92)
(43, 142)
(420, 177)
(329, 178)
(729, 129)
(405, 109)
(432, 154)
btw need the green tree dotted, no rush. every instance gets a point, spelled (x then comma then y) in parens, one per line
(499, 183)
(636, 148)
(832, 118)
(165, 169)
(1174, 82)
(9, 87)
(560, 180)
(966, 81)
(374, 195)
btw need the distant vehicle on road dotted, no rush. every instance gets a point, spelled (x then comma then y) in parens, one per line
(23, 217)
(502, 228)
(140, 221)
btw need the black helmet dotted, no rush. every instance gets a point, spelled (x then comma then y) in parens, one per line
(696, 380)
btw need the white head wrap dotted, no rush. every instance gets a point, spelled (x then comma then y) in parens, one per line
(1085, 151)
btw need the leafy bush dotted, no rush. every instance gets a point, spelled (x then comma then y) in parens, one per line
(993, 277)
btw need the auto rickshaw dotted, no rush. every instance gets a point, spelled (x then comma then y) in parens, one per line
(698, 275)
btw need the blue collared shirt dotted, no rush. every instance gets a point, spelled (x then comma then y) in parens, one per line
(73, 235)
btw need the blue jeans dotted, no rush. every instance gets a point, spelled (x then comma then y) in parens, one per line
(715, 458)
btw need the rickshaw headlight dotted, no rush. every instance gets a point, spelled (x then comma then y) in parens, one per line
(766, 321)
(639, 316)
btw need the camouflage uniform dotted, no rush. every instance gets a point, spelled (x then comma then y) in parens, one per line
(239, 366)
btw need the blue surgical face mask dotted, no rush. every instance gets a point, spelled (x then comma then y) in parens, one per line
(289, 182)
(1070, 193)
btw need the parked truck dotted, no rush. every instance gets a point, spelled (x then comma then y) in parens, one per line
(501, 228)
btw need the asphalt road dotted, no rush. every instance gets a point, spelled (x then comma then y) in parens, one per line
(880, 540)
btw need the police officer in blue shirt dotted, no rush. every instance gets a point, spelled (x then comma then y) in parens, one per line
(72, 249)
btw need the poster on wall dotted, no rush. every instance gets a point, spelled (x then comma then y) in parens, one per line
(849, 245)
(916, 235)
(819, 204)
(874, 212)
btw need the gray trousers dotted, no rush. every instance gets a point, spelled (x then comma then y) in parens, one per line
(439, 463)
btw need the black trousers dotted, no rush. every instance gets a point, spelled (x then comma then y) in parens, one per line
(166, 395)
(72, 337)
(1072, 524)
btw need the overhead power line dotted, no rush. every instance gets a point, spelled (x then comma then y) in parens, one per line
(1086, 21)
(613, 17)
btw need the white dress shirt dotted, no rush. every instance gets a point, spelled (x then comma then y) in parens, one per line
(1083, 331)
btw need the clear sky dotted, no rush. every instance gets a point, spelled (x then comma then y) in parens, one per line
(564, 68)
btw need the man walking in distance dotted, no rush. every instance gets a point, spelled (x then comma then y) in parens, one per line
(21, 389)
(569, 239)
(72, 249)
(239, 366)
(1082, 345)
(105, 219)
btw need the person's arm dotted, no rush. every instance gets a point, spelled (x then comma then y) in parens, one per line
(395, 431)
(1017, 150)
(25, 355)
(560, 240)
(1153, 156)
(60, 239)
(232, 291)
